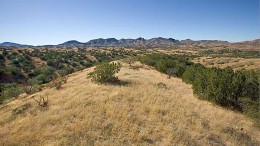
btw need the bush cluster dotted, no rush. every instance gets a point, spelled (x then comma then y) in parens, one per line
(236, 90)
(105, 72)
(171, 65)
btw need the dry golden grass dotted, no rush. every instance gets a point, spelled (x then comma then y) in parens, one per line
(139, 113)
(235, 63)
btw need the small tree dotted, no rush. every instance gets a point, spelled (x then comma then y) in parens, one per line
(105, 72)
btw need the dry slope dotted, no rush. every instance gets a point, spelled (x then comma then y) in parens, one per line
(139, 113)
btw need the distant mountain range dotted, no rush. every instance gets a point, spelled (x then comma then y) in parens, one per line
(146, 43)
(10, 44)
(112, 42)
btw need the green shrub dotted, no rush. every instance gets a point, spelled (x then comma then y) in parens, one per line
(42, 79)
(164, 64)
(47, 70)
(223, 86)
(88, 63)
(15, 73)
(9, 91)
(190, 73)
(147, 60)
(251, 108)
(251, 85)
(105, 72)
(171, 72)
(45, 75)
(65, 71)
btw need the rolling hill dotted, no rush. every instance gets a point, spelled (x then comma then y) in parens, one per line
(138, 113)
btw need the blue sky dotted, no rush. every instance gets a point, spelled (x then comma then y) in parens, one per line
(40, 22)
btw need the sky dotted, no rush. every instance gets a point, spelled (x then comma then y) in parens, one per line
(46, 22)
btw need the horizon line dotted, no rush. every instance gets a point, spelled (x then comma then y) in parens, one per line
(130, 38)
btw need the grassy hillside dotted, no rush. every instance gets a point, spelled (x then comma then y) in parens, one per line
(235, 63)
(149, 110)
(25, 68)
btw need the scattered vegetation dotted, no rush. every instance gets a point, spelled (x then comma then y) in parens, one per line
(139, 114)
(234, 63)
(27, 69)
(231, 53)
(145, 112)
(236, 90)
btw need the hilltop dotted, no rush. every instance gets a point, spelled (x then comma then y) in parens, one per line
(138, 113)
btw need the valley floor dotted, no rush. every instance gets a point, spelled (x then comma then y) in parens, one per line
(138, 113)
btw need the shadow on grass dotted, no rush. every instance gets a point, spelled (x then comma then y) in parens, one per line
(116, 82)
(122, 83)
